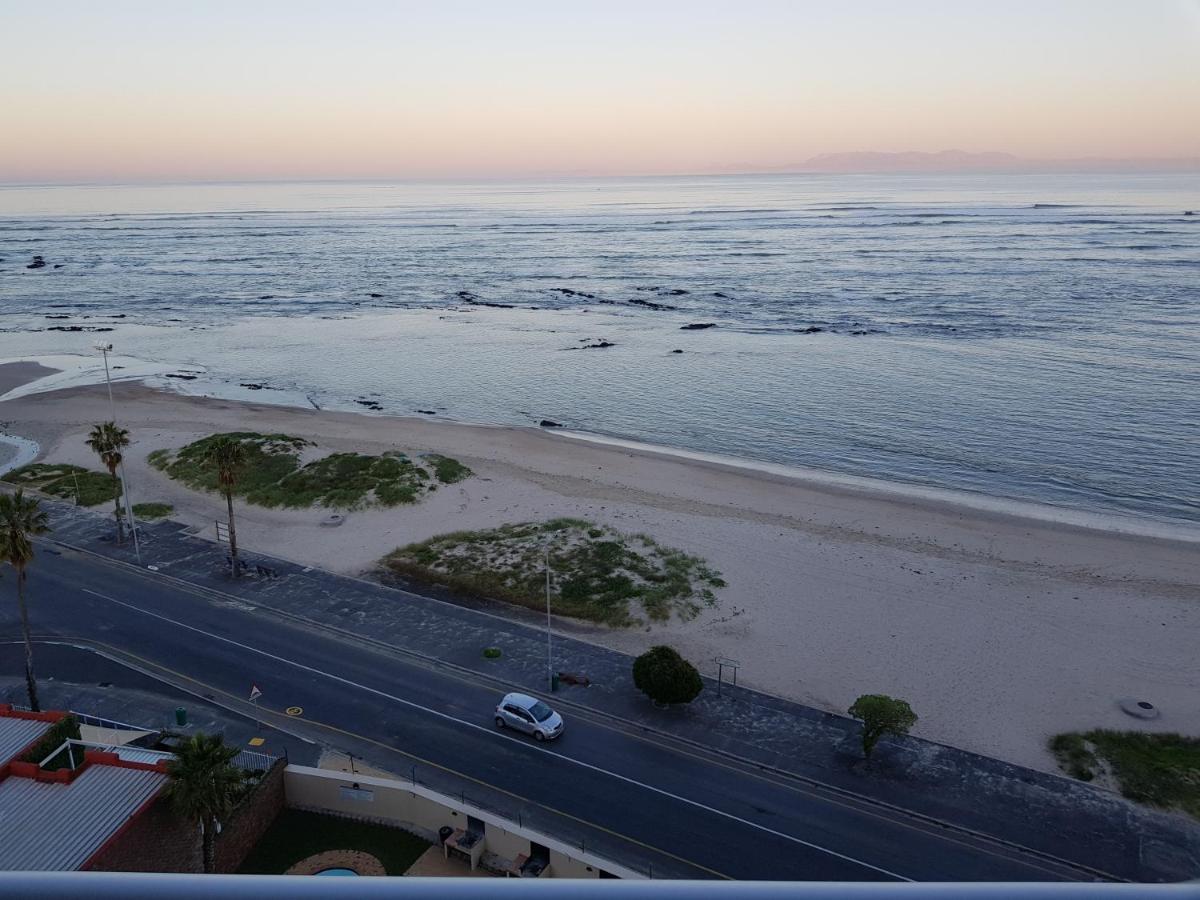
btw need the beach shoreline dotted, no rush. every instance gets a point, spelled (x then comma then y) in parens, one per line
(834, 589)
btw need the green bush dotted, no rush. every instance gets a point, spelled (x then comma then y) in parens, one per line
(65, 729)
(491, 652)
(880, 715)
(666, 677)
(447, 470)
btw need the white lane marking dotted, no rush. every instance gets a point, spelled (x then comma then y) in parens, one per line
(489, 731)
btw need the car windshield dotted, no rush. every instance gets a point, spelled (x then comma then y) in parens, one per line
(541, 711)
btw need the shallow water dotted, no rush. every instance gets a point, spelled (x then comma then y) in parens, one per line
(1033, 337)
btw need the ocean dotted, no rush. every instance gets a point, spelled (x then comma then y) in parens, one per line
(1027, 337)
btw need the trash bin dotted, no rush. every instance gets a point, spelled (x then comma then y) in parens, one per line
(553, 682)
(180, 716)
(443, 833)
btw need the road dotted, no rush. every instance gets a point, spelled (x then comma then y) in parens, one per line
(669, 810)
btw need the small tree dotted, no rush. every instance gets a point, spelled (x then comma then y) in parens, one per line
(666, 677)
(880, 715)
(205, 786)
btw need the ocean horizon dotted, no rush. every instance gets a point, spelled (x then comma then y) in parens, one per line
(1025, 337)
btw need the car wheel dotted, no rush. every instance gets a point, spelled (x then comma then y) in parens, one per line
(499, 722)
(539, 736)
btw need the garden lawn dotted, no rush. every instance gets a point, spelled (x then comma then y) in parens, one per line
(297, 835)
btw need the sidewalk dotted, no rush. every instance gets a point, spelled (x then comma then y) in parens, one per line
(1047, 813)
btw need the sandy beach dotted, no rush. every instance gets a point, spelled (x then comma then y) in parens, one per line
(999, 629)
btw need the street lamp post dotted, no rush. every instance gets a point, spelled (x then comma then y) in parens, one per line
(105, 349)
(549, 638)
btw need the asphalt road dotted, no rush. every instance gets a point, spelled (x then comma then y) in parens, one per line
(648, 805)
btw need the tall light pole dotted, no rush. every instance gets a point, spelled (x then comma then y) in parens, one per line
(105, 349)
(549, 638)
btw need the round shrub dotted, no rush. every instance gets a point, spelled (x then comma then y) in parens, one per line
(666, 677)
(491, 652)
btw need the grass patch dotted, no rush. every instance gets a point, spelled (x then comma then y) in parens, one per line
(491, 653)
(62, 480)
(597, 573)
(152, 510)
(274, 477)
(1158, 769)
(297, 835)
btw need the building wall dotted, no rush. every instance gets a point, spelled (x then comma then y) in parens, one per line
(158, 840)
(423, 811)
(239, 835)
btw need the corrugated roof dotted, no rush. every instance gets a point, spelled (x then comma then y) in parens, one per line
(17, 734)
(59, 826)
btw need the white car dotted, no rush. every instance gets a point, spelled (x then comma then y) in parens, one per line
(530, 715)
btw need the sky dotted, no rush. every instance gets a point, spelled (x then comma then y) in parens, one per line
(226, 89)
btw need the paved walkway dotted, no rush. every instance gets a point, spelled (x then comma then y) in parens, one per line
(1053, 814)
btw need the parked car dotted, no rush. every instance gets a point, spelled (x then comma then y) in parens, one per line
(530, 715)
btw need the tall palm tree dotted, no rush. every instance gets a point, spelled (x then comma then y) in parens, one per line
(22, 517)
(107, 440)
(205, 786)
(228, 455)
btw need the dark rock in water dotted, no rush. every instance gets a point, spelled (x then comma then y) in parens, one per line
(117, 316)
(38, 263)
(674, 292)
(473, 299)
(427, 412)
(697, 326)
(375, 296)
(722, 296)
(79, 328)
(599, 345)
(676, 351)
(567, 292)
(547, 423)
(651, 305)
(858, 332)
(58, 316)
(250, 385)
(117, 367)
(182, 376)
(267, 297)
(1186, 212)
(811, 329)
(58, 265)
(369, 404)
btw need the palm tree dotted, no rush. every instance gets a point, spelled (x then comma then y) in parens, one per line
(107, 440)
(205, 786)
(227, 455)
(22, 517)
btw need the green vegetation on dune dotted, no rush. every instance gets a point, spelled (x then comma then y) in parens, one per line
(62, 480)
(152, 510)
(1159, 769)
(596, 571)
(273, 476)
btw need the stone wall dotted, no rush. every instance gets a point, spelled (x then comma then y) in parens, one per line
(253, 818)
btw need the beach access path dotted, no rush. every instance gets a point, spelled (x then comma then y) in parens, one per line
(924, 782)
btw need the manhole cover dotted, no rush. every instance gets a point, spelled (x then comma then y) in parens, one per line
(1140, 709)
(294, 710)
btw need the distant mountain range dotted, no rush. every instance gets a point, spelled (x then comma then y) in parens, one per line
(962, 161)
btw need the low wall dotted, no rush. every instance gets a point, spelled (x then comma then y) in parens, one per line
(422, 811)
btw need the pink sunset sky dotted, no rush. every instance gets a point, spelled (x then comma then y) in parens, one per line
(360, 89)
